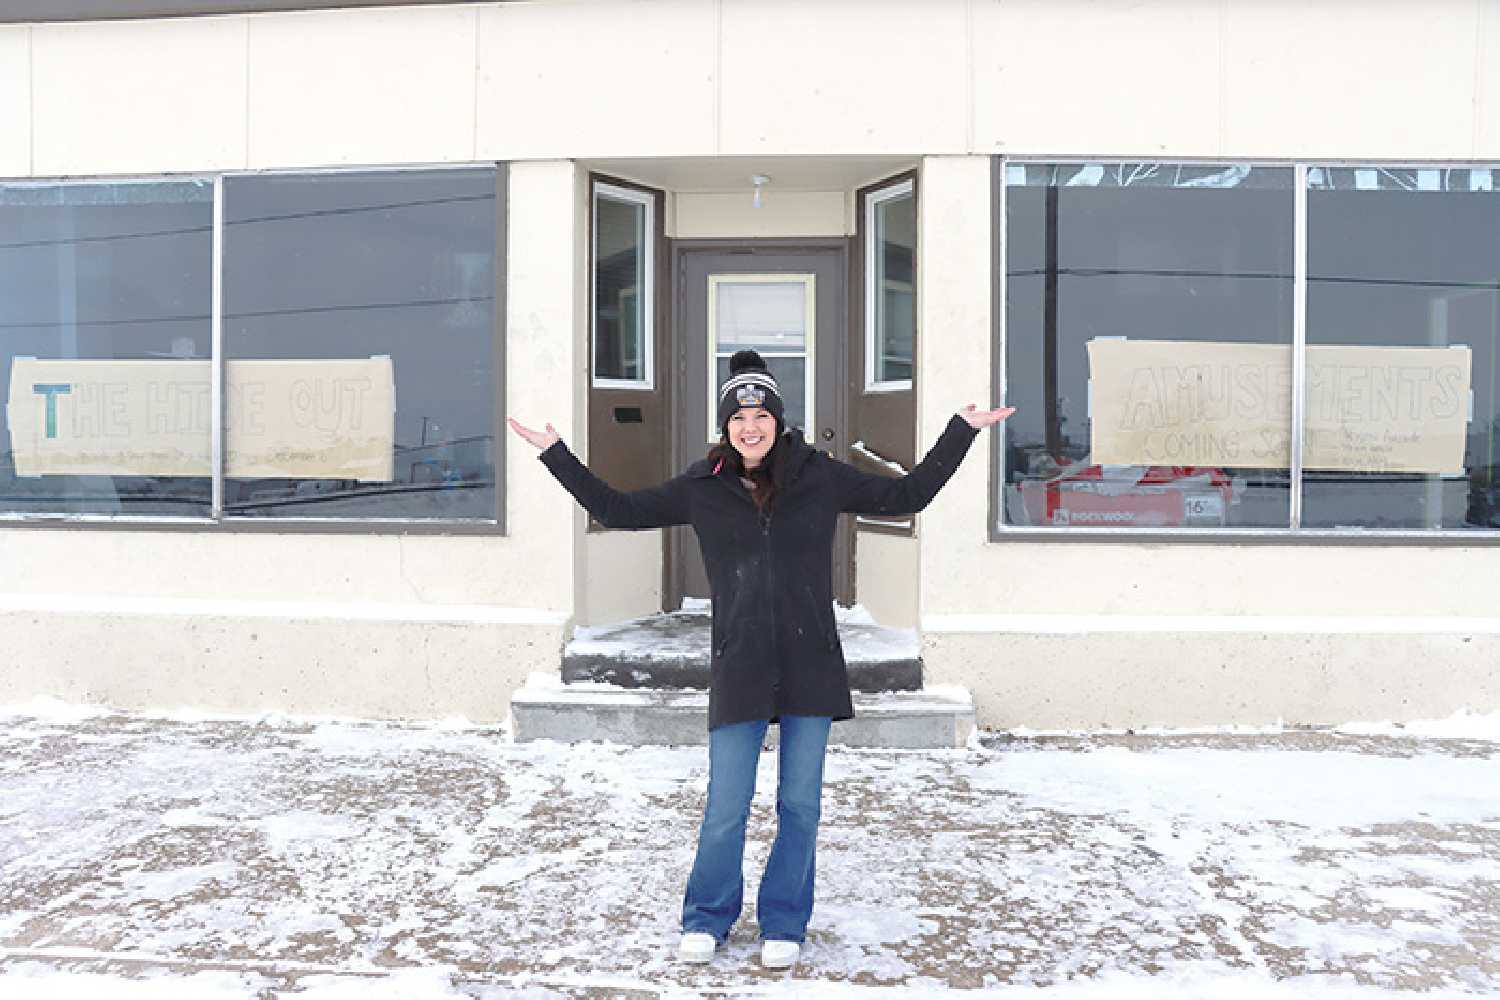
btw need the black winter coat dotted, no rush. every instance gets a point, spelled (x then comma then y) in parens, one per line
(775, 648)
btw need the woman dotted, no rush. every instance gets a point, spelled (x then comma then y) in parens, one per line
(764, 505)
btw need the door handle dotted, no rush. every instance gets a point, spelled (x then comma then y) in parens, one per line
(828, 434)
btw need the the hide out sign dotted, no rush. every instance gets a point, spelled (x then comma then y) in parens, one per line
(1368, 409)
(295, 419)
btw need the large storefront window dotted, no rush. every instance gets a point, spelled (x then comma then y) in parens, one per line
(359, 312)
(106, 294)
(356, 371)
(1403, 316)
(1148, 330)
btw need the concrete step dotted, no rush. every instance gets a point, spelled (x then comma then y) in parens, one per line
(671, 650)
(549, 709)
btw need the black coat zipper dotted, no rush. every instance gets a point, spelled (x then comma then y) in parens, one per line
(744, 495)
(765, 534)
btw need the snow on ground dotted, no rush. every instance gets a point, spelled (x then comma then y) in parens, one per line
(212, 858)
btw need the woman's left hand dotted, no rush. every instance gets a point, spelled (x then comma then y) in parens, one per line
(980, 419)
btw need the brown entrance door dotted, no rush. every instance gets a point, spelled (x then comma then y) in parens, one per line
(790, 303)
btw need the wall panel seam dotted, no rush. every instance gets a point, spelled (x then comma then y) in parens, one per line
(970, 101)
(718, 77)
(245, 163)
(30, 101)
(1223, 75)
(474, 134)
(1476, 93)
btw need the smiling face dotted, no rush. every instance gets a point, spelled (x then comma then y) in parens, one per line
(752, 432)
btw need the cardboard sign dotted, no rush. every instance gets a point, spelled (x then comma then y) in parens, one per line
(1369, 409)
(292, 419)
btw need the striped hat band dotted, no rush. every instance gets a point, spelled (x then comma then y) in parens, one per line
(749, 388)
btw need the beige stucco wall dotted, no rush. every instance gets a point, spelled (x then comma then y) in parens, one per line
(744, 77)
(622, 576)
(15, 101)
(712, 215)
(377, 659)
(885, 578)
(452, 623)
(1176, 675)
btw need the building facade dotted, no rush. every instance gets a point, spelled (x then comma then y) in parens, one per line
(271, 279)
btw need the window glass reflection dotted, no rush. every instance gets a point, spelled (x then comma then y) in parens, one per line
(105, 301)
(619, 275)
(895, 302)
(761, 316)
(1148, 331)
(359, 343)
(1403, 316)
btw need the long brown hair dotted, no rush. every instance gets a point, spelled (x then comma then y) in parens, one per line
(764, 488)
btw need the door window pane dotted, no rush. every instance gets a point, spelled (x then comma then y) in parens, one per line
(105, 302)
(772, 315)
(891, 298)
(359, 328)
(762, 316)
(1403, 318)
(622, 255)
(1148, 329)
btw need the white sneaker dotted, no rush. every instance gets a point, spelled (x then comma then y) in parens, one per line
(696, 947)
(779, 954)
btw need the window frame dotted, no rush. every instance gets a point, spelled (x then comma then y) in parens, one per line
(1293, 534)
(218, 521)
(647, 329)
(907, 186)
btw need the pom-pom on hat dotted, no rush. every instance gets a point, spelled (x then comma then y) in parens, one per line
(750, 383)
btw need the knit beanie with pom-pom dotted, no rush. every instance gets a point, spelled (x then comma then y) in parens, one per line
(750, 383)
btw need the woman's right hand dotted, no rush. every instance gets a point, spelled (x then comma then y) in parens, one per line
(541, 439)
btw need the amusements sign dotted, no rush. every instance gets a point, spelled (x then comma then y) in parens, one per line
(293, 419)
(1369, 409)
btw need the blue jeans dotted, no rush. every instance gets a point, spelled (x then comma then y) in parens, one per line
(716, 887)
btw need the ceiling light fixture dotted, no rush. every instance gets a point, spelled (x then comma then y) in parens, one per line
(758, 180)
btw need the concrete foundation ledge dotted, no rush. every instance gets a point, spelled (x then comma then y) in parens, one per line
(1057, 672)
(548, 709)
(364, 660)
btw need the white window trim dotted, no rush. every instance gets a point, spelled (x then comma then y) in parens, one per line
(711, 334)
(872, 200)
(648, 286)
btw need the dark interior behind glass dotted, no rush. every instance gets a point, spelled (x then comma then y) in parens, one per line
(1148, 261)
(106, 272)
(364, 265)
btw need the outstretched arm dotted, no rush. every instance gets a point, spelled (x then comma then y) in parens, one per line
(864, 493)
(657, 507)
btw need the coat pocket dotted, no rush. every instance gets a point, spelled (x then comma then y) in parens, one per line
(823, 618)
